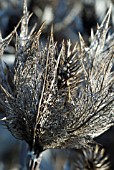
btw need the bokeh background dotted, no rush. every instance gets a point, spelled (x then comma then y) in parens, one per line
(69, 17)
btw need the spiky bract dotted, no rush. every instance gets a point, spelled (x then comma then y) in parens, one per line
(60, 98)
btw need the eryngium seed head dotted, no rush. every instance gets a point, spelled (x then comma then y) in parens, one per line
(61, 98)
(93, 159)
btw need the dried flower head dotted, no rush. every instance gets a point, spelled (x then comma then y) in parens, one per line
(94, 158)
(61, 98)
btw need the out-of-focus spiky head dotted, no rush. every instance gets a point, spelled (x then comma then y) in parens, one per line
(94, 158)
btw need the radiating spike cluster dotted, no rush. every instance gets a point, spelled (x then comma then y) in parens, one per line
(61, 98)
(92, 159)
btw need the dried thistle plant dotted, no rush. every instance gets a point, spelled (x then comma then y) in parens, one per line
(60, 98)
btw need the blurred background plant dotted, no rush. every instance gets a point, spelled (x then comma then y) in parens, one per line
(68, 18)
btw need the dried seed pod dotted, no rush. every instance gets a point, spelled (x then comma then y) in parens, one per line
(94, 158)
(61, 98)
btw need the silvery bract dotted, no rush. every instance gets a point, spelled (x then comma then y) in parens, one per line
(59, 98)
